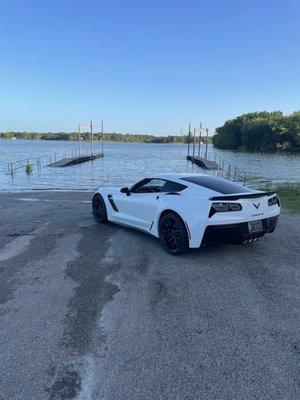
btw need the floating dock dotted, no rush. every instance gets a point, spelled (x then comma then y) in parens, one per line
(203, 162)
(66, 162)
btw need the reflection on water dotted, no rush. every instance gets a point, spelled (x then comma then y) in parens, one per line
(124, 163)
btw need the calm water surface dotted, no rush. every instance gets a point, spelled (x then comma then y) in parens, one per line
(124, 163)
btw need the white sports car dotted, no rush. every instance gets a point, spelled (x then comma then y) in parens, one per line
(189, 210)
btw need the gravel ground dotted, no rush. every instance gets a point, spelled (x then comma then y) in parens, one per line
(94, 311)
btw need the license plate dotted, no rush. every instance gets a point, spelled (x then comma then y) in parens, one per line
(255, 226)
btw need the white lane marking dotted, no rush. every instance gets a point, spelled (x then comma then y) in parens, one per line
(18, 245)
(53, 200)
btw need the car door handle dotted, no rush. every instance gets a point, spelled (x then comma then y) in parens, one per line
(157, 197)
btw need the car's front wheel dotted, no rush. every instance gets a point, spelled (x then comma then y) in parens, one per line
(173, 234)
(99, 208)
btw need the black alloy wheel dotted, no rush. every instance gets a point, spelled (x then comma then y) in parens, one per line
(99, 208)
(173, 234)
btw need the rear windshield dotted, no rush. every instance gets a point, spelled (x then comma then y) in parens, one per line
(216, 184)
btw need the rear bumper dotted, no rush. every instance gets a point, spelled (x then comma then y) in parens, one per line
(237, 233)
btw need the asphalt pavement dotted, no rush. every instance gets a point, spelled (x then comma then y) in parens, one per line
(91, 311)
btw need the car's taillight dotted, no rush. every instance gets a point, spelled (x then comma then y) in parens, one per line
(224, 207)
(274, 200)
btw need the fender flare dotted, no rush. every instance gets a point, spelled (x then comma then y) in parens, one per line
(169, 210)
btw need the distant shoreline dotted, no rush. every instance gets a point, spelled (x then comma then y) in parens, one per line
(107, 137)
(158, 142)
(87, 140)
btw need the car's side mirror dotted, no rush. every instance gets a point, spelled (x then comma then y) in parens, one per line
(125, 190)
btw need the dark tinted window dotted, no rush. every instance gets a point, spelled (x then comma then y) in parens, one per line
(173, 187)
(156, 185)
(139, 184)
(219, 185)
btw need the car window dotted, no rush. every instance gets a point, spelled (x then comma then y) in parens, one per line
(149, 186)
(139, 184)
(173, 187)
(155, 185)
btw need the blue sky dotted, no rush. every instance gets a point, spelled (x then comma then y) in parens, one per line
(145, 66)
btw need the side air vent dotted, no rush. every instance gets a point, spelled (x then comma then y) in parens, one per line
(112, 203)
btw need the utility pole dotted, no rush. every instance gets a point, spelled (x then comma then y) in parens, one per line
(102, 136)
(199, 143)
(92, 138)
(189, 138)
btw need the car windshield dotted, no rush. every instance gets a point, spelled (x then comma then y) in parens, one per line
(217, 184)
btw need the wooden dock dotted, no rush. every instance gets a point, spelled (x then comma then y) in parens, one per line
(66, 162)
(203, 162)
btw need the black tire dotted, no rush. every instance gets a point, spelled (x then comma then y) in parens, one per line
(99, 208)
(173, 234)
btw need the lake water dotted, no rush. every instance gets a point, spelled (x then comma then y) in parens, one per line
(124, 163)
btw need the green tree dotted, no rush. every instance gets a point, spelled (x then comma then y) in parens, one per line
(267, 131)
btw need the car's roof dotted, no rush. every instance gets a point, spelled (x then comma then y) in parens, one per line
(174, 175)
(205, 183)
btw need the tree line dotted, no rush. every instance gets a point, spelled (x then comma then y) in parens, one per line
(114, 137)
(264, 131)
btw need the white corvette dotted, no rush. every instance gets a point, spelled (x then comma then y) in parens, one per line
(189, 210)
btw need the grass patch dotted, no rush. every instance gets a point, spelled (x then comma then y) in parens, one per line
(28, 168)
(289, 194)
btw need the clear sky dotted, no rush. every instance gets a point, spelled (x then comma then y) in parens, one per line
(145, 66)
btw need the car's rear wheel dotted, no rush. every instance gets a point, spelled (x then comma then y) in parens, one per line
(99, 208)
(173, 234)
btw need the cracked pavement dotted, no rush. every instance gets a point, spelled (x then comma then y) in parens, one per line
(92, 311)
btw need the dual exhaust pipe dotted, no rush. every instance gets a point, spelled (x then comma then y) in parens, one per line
(250, 240)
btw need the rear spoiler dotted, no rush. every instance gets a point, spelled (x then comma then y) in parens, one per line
(243, 196)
